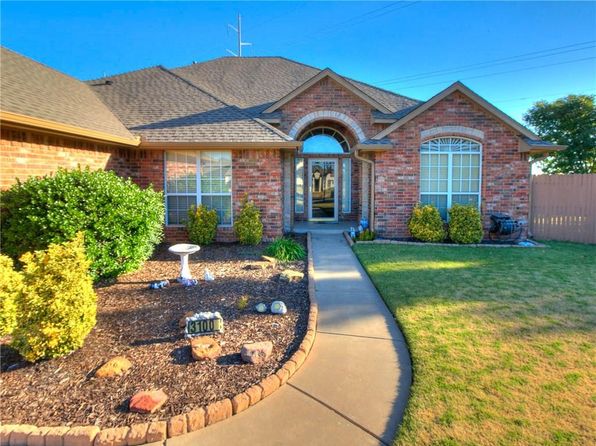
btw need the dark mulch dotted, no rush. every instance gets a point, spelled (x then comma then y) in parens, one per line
(143, 325)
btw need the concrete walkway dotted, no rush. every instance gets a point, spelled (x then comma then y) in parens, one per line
(353, 387)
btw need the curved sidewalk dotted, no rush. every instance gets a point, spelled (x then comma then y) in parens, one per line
(353, 387)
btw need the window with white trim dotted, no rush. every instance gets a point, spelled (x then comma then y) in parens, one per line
(299, 185)
(346, 185)
(450, 172)
(193, 178)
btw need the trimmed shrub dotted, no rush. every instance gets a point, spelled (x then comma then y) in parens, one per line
(122, 222)
(11, 285)
(465, 224)
(56, 310)
(248, 226)
(285, 249)
(201, 225)
(426, 224)
(365, 236)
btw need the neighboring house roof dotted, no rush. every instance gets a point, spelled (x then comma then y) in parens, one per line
(36, 95)
(255, 83)
(162, 107)
(457, 86)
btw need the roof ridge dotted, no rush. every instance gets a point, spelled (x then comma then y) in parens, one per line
(152, 67)
(237, 109)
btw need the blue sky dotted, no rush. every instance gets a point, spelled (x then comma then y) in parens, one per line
(511, 53)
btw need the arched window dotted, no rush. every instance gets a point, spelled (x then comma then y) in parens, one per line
(324, 140)
(450, 172)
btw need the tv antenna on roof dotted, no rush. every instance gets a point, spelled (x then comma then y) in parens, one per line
(238, 30)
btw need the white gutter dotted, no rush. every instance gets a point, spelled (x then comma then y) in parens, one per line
(371, 218)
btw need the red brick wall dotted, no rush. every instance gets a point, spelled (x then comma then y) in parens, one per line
(504, 170)
(258, 173)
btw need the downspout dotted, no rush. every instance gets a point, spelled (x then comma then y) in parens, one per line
(371, 163)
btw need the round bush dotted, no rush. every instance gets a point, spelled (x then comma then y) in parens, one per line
(56, 310)
(285, 249)
(201, 225)
(465, 224)
(11, 284)
(426, 224)
(248, 226)
(121, 222)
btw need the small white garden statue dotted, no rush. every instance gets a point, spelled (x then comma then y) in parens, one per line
(184, 250)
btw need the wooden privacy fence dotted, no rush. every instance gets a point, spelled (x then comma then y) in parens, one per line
(564, 208)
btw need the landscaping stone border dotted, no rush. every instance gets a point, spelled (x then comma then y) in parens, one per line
(472, 245)
(157, 432)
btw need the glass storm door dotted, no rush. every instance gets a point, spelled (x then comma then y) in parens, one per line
(323, 193)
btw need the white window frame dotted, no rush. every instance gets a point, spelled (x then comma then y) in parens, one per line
(450, 154)
(198, 194)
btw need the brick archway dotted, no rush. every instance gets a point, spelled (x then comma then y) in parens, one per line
(329, 115)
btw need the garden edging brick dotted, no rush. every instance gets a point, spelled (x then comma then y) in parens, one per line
(179, 424)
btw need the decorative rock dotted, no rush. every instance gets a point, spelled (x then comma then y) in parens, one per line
(204, 347)
(137, 434)
(114, 436)
(19, 434)
(218, 411)
(157, 431)
(240, 402)
(116, 366)
(195, 419)
(271, 260)
(54, 436)
(147, 401)
(177, 426)
(291, 275)
(257, 265)
(256, 352)
(278, 307)
(80, 436)
(209, 277)
(182, 321)
(261, 308)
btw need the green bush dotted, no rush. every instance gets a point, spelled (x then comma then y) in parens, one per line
(201, 225)
(248, 226)
(11, 285)
(426, 225)
(121, 222)
(57, 307)
(465, 224)
(285, 249)
(365, 236)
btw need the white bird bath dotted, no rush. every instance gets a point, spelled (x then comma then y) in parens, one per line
(184, 250)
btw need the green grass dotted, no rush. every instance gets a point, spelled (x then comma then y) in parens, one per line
(502, 341)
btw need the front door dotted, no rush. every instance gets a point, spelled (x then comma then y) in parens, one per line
(322, 190)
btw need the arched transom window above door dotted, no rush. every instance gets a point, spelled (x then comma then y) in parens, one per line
(450, 172)
(324, 140)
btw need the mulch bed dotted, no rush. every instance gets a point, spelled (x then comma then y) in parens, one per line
(142, 324)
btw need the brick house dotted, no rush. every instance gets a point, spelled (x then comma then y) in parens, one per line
(304, 144)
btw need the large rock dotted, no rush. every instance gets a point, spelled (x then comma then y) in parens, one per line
(204, 347)
(292, 276)
(116, 366)
(147, 401)
(256, 352)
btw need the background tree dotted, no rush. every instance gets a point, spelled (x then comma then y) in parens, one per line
(570, 121)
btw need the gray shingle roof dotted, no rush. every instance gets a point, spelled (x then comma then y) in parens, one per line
(33, 89)
(160, 106)
(254, 83)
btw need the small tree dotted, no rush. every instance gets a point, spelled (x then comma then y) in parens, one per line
(569, 121)
(248, 226)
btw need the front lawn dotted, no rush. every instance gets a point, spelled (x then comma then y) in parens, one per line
(502, 341)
